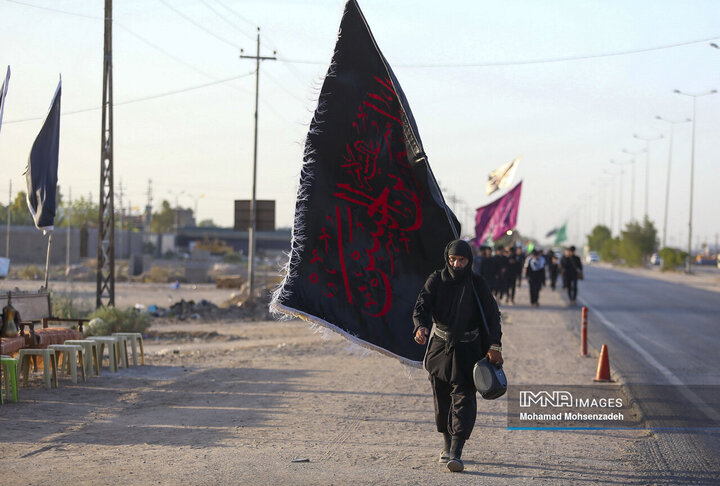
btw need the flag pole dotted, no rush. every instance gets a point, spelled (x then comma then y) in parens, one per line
(47, 260)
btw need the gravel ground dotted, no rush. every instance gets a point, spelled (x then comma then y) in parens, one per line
(240, 402)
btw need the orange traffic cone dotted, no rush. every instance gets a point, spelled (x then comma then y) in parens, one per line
(603, 369)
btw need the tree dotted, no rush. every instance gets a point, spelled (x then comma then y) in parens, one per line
(638, 242)
(19, 212)
(207, 223)
(599, 236)
(81, 212)
(164, 220)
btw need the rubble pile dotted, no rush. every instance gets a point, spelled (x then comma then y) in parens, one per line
(236, 308)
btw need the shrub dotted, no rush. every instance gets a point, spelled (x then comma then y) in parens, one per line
(31, 272)
(672, 258)
(158, 274)
(112, 319)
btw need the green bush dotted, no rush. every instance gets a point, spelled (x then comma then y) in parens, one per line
(672, 258)
(30, 272)
(112, 319)
(609, 251)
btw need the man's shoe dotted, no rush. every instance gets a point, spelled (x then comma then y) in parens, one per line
(445, 455)
(455, 464)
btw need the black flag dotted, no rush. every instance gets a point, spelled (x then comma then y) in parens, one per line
(41, 172)
(3, 94)
(370, 221)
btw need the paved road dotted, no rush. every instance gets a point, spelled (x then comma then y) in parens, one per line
(667, 335)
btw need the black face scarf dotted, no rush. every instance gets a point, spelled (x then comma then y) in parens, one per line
(459, 248)
(463, 300)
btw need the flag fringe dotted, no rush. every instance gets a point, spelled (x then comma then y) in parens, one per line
(289, 313)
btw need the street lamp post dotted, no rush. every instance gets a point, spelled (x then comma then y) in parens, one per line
(647, 165)
(632, 188)
(632, 192)
(667, 185)
(694, 96)
(612, 197)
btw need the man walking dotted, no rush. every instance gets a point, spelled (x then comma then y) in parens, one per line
(535, 273)
(571, 268)
(448, 313)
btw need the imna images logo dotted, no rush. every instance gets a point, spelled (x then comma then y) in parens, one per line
(555, 398)
(563, 398)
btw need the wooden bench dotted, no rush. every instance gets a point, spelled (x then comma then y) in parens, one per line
(35, 311)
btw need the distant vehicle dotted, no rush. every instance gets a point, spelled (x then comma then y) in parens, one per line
(655, 259)
(592, 257)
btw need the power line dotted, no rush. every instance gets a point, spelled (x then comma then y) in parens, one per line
(125, 29)
(144, 98)
(56, 10)
(528, 62)
(232, 11)
(231, 24)
(199, 25)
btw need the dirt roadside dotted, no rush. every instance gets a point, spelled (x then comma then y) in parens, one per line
(240, 406)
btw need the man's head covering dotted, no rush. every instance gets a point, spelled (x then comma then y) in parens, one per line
(459, 248)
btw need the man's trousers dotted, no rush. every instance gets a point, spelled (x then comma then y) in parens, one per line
(455, 407)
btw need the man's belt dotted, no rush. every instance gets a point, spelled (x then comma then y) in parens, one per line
(466, 338)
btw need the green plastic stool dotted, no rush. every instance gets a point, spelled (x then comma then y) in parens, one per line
(10, 366)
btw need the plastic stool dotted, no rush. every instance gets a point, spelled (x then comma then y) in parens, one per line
(70, 354)
(11, 382)
(49, 372)
(91, 355)
(113, 351)
(122, 353)
(135, 339)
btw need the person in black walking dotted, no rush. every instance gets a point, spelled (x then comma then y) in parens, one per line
(501, 269)
(571, 268)
(511, 276)
(447, 313)
(552, 267)
(520, 262)
(535, 273)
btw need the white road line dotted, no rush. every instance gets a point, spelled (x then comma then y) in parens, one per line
(669, 375)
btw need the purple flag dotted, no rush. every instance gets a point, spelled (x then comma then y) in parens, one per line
(497, 217)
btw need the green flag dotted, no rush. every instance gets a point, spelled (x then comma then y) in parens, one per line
(560, 235)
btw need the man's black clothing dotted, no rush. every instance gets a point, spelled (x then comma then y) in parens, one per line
(455, 407)
(536, 277)
(570, 267)
(511, 277)
(519, 265)
(436, 304)
(447, 300)
(487, 271)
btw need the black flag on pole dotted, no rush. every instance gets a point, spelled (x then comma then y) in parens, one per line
(41, 172)
(370, 221)
(3, 94)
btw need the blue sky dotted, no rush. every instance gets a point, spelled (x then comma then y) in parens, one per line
(467, 68)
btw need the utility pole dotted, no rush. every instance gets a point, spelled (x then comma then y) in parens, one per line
(147, 224)
(7, 233)
(632, 187)
(688, 263)
(67, 240)
(251, 229)
(122, 217)
(105, 293)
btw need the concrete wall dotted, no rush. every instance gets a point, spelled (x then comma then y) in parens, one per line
(29, 245)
